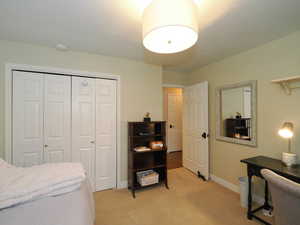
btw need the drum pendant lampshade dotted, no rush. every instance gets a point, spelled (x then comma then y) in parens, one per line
(170, 26)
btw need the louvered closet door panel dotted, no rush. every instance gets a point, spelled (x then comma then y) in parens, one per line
(105, 134)
(57, 122)
(83, 124)
(28, 101)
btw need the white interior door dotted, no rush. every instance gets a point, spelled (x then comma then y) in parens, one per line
(57, 119)
(83, 124)
(106, 116)
(28, 110)
(195, 128)
(174, 126)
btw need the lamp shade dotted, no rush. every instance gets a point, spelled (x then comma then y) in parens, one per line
(170, 26)
(286, 130)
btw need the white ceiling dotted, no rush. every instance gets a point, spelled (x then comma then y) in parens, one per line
(114, 27)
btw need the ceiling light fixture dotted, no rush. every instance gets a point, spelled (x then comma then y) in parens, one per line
(170, 26)
(143, 4)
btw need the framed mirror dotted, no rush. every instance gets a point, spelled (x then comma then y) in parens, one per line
(236, 113)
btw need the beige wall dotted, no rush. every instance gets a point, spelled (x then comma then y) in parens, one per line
(175, 78)
(141, 84)
(277, 59)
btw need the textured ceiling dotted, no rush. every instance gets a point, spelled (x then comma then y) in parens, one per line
(114, 27)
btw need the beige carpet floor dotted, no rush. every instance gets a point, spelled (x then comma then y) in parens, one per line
(189, 201)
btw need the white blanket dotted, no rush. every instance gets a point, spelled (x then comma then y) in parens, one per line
(20, 185)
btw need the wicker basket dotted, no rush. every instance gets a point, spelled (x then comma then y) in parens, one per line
(147, 177)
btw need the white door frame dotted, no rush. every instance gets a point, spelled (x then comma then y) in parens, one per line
(9, 68)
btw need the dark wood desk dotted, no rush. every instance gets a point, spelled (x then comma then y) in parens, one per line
(254, 166)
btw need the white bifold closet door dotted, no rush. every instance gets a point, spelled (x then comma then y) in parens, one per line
(28, 117)
(61, 119)
(106, 117)
(57, 119)
(83, 124)
(41, 118)
(94, 129)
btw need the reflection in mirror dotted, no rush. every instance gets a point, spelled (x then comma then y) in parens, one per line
(236, 113)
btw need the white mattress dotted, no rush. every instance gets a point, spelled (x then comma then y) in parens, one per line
(75, 208)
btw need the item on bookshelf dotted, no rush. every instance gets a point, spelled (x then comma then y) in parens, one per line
(147, 177)
(237, 135)
(238, 115)
(146, 133)
(147, 117)
(156, 145)
(141, 149)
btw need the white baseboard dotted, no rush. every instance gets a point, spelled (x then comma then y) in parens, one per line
(235, 188)
(123, 184)
(225, 183)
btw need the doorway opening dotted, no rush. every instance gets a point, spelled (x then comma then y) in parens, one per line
(172, 113)
(186, 112)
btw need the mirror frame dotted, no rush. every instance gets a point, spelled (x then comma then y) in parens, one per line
(253, 141)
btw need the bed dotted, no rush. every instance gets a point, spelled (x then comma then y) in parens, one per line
(72, 208)
(75, 208)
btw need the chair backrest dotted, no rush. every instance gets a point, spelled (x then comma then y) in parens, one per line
(286, 198)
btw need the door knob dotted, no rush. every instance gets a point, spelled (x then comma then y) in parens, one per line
(204, 135)
(171, 126)
(92, 142)
(45, 146)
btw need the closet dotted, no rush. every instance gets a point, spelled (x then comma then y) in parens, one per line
(60, 118)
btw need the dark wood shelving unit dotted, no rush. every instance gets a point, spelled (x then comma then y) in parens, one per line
(141, 134)
(241, 126)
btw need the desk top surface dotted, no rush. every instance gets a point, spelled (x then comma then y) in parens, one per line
(273, 164)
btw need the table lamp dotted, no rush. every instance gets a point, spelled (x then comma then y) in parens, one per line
(286, 131)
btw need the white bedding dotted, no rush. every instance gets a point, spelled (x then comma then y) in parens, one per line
(74, 208)
(20, 185)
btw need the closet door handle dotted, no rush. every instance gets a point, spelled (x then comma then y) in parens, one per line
(45, 146)
(92, 142)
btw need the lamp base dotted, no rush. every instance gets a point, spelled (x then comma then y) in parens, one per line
(289, 159)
